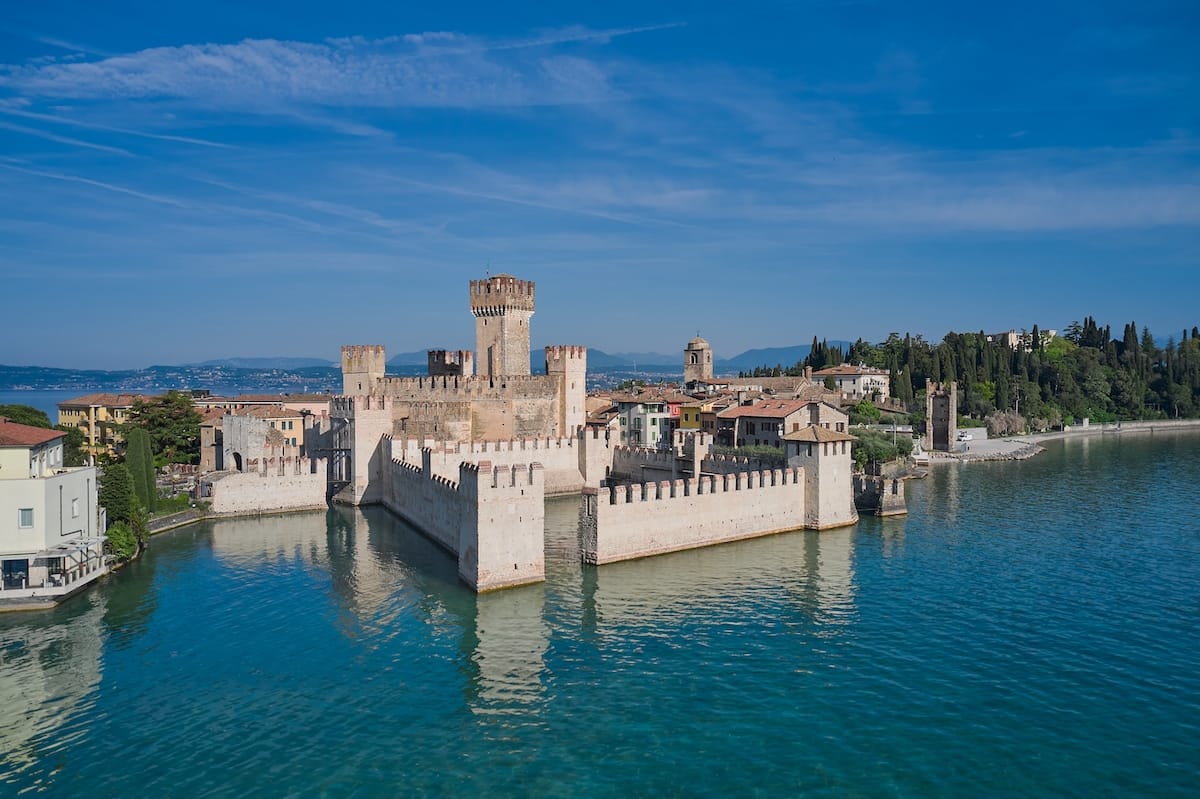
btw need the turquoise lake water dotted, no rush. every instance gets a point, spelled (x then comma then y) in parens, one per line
(1030, 629)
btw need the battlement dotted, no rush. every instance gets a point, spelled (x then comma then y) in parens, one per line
(451, 362)
(556, 352)
(483, 447)
(451, 387)
(347, 406)
(705, 484)
(519, 475)
(284, 465)
(494, 295)
(361, 357)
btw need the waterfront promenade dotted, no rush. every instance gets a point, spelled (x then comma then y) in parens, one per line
(1020, 447)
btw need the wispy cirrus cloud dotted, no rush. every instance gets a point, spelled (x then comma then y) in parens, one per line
(42, 134)
(429, 70)
(78, 123)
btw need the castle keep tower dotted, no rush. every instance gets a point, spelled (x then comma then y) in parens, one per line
(502, 306)
(697, 361)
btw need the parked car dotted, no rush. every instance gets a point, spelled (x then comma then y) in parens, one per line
(963, 435)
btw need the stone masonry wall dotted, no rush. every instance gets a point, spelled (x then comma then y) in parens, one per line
(626, 522)
(270, 485)
(559, 458)
(491, 520)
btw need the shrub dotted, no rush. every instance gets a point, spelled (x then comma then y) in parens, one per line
(121, 541)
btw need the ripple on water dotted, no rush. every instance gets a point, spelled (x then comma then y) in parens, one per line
(1027, 630)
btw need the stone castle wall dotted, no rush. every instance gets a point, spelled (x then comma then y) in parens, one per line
(559, 457)
(268, 485)
(491, 519)
(634, 521)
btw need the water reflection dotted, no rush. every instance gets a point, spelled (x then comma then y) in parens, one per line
(369, 559)
(50, 668)
(506, 638)
(814, 570)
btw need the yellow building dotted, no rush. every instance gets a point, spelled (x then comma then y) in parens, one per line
(99, 416)
(700, 414)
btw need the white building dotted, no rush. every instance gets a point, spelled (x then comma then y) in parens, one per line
(51, 536)
(644, 419)
(857, 382)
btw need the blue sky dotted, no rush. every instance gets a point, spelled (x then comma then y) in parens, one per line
(192, 180)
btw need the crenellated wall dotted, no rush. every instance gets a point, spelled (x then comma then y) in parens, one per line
(491, 519)
(268, 485)
(560, 457)
(634, 521)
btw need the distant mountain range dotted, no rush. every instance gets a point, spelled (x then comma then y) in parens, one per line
(279, 375)
(267, 363)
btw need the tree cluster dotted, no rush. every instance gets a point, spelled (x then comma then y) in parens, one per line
(1088, 372)
(173, 425)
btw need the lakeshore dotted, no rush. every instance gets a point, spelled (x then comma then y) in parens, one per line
(1026, 446)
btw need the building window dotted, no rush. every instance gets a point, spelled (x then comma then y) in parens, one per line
(25, 517)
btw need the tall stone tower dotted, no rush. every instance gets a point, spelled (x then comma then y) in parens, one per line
(363, 365)
(941, 415)
(697, 361)
(570, 363)
(502, 305)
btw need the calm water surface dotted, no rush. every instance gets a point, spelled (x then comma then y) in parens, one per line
(1029, 630)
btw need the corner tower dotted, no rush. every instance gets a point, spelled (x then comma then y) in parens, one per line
(697, 361)
(502, 306)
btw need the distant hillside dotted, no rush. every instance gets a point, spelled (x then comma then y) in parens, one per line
(602, 360)
(769, 356)
(419, 358)
(266, 363)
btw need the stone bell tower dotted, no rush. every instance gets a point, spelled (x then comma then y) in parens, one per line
(697, 361)
(502, 305)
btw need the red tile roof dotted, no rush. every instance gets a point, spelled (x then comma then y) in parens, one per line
(767, 409)
(817, 435)
(107, 400)
(24, 435)
(846, 370)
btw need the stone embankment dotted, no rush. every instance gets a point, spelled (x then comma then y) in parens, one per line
(1022, 447)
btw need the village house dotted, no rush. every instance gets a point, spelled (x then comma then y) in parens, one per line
(767, 421)
(51, 528)
(857, 383)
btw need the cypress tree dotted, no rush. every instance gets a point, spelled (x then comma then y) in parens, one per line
(141, 466)
(116, 493)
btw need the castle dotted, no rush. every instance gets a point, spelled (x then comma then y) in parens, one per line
(503, 400)
(468, 453)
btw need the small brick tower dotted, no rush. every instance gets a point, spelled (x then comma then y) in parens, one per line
(502, 305)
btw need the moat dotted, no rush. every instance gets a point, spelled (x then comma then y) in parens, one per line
(1028, 629)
